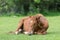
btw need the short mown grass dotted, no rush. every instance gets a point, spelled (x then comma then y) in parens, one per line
(10, 24)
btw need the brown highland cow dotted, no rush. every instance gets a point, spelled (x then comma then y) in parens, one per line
(36, 24)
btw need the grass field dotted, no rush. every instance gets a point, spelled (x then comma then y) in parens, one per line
(10, 24)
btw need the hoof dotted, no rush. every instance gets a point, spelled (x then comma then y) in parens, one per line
(16, 32)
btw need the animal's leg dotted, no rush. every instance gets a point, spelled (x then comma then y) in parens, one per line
(20, 27)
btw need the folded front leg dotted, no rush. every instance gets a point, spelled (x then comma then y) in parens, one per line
(20, 27)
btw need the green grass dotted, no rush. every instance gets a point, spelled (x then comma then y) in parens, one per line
(10, 24)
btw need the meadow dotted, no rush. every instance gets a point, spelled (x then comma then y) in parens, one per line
(10, 24)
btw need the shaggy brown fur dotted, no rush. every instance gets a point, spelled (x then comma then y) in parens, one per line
(37, 23)
(42, 24)
(27, 24)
